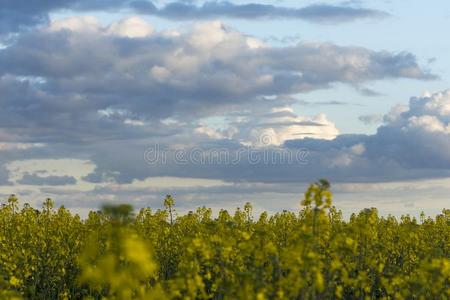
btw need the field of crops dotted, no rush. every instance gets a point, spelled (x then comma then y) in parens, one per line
(310, 254)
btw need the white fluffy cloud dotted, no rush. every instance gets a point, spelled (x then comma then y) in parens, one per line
(80, 23)
(428, 115)
(281, 124)
(272, 127)
(412, 143)
(131, 27)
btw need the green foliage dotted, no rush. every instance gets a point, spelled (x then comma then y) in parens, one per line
(311, 254)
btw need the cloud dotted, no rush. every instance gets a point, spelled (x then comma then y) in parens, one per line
(271, 128)
(132, 27)
(371, 119)
(322, 13)
(328, 103)
(16, 16)
(58, 82)
(369, 92)
(96, 92)
(107, 92)
(17, 146)
(15, 21)
(418, 136)
(35, 179)
(412, 145)
(4, 175)
(269, 124)
(279, 125)
(397, 198)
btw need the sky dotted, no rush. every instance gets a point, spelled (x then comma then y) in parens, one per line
(225, 102)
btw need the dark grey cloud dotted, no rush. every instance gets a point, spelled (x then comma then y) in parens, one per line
(18, 15)
(371, 119)
(328, 103)
(10, 152)
(35, 179)
(13, 21)
(322, 13)
(4, 175)
(369, 92)
(339, 164)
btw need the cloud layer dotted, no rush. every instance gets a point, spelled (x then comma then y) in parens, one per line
(412, 144)
(78, 89)
(322, 13)
(18, 15)
(36, 179)
(77, 80)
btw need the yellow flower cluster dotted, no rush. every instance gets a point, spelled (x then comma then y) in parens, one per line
(310, 254)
